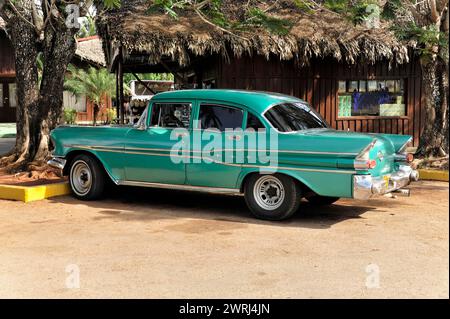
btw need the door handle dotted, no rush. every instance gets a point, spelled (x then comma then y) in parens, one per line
(234, 137)
(178, 134)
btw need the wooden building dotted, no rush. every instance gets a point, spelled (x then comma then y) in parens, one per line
(358, 77)
(8, 99)
(88, 53)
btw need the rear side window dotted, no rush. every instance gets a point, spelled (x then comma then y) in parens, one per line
(220, 117)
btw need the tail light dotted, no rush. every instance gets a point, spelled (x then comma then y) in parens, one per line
(402, 154)
(405, 157)
(363, 161)
(409, 157)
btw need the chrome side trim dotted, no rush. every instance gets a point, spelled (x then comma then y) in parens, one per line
(219, 190)
(199, 151)
(224, 163)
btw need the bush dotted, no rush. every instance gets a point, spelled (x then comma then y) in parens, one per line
(69, 115)
(110, 115)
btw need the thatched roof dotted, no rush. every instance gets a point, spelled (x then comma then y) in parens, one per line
(90, 50)
(320, 33)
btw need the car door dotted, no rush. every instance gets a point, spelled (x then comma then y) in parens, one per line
(213, 147)
(148, 156)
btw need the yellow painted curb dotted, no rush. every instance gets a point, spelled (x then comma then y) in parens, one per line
(32, 193)
(434, 175)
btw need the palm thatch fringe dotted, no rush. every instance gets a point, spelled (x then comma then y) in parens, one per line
(317, 34)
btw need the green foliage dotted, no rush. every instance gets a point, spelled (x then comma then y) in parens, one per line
(94, 83)
(169, 6)
(355, 10)
(427, 38)
(212, 11)
(112, 4)
(69, 116)
(339, 6)
(390, 9)
(305, 5)
(87, 28)
(110, 115)
(128, 77)
(274, 25)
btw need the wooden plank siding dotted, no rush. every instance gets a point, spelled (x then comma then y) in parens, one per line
(7, 67)
(318, 84)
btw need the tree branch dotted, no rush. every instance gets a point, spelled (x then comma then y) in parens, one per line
(20, 15)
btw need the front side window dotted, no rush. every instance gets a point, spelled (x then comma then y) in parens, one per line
(289, 117)
(220, 117)
(371, 98)
(171, 115)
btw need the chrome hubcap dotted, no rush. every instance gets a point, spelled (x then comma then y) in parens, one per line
(80, 178)
(269, 192)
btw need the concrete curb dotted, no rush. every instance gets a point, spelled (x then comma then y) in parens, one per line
(433, 175)
(33, 193)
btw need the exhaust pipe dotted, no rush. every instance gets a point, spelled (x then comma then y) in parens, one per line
(402, 192)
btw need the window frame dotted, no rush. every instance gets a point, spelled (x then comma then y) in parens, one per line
(247, 114)
(373, 117)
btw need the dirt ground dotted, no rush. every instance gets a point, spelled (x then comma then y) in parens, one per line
(160, 243)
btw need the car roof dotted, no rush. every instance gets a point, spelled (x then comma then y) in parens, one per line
(257, 101)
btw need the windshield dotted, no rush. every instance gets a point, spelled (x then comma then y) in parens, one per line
(288, 117)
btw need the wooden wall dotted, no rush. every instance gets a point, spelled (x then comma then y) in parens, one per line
(7, 68)
(317, 84)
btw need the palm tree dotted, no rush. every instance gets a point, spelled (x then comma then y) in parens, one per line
(95, 84)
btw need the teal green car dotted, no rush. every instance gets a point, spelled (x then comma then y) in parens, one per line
(272, 148)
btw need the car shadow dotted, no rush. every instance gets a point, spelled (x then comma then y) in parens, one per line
(141, 204)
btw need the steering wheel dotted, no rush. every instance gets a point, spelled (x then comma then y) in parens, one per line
(172, 121)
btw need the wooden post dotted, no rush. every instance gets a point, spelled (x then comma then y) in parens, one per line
(117, 94)
(121, 98)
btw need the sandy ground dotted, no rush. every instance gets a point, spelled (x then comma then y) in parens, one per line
(158, 243)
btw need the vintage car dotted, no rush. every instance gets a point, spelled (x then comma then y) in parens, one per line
(312, 160)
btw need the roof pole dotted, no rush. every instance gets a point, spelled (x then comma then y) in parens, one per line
(120, 80)
(117, 94)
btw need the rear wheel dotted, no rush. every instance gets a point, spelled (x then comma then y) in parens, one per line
(86, 177)
(272, 197)
(322, 200)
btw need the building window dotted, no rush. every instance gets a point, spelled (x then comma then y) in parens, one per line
(371, 98)
(12, 94)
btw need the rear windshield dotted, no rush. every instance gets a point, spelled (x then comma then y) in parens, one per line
(289, 117)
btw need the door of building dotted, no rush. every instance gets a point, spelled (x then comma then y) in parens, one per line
(8, 100)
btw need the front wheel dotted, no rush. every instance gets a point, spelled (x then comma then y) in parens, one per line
(272, 196)
(86, 177)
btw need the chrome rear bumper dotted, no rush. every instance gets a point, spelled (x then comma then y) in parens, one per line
(366, 186)
(57, 162)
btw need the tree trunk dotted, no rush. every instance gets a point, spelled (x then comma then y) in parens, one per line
(38, 109)
(59, 48)
(23, 38)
